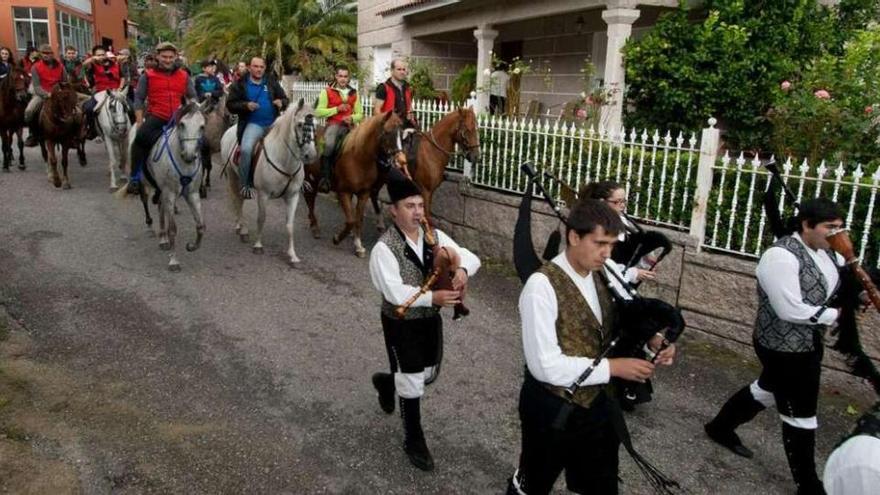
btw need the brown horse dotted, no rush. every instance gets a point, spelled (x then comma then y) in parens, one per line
(61, 123)
(437, 147)
(356, 173)
(13, 100)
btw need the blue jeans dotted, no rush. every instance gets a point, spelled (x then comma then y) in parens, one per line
(252, 133)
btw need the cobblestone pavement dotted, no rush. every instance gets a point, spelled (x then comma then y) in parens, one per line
(241, 375)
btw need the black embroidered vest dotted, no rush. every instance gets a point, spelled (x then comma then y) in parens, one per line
(412, 271)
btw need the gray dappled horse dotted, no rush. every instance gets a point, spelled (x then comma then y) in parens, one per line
(113, 124)
(175, 164)
(277, 168)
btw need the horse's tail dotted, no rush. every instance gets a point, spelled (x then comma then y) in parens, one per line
(122, 193)
(233, 184)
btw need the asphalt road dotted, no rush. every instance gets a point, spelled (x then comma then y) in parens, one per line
(242, 375)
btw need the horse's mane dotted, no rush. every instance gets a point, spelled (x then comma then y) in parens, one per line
(283, 123)
(359, 138)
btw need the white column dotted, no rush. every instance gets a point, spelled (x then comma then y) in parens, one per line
(709, 146)
(485, 40)
(620, 23)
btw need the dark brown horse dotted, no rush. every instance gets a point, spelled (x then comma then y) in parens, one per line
(13, 100)
(61, 124)
(356, 173)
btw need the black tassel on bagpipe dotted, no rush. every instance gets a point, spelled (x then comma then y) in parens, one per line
(639, 320)
(847, 296)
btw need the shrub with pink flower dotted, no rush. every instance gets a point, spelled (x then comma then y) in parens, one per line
(822, 94)
(785, 86)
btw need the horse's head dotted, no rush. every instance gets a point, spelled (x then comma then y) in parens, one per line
(63, 103)
(391, 139)
(304, 131)
(190, 129)
(467, 136)
(117, 107)
(17, 82)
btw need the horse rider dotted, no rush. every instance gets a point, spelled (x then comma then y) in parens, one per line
(45, 74)
(396, 94)
(208, 85)
(340, 105)
(160, 92)
(74, 68)
(7, 61)
(106, 75)
(258, 100)
(128, 71)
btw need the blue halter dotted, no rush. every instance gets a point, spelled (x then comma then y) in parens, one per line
(185, 180)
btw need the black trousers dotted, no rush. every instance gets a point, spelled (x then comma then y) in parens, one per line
(793, 379)
(587, 449)
(146, 137)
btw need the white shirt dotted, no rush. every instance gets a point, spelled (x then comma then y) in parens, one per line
(498, 83)
(854, 467)
(778, 274)
(538, 310)
(385, 270)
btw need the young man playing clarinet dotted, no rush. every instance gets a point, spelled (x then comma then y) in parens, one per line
(569, 317)
(400, 262)
(796, 278)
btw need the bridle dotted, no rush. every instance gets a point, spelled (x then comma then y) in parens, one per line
(459, 138)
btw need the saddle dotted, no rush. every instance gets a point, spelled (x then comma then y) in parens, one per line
(236, 157)
(411, 141)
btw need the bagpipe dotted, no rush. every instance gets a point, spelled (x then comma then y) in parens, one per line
(639, 318)
(446, 262)
(853, 279)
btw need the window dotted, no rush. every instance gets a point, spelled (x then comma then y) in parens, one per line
(31, 27)
(74, 31)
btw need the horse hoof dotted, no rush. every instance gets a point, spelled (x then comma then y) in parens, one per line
(6, 168)
(257, 250)
(294, 263)
(114, 188)
(336, 240)
(66, 185)
(244, 238)
(22, 166)
(316, 234)
(191, 246)
(165, 246)
(203, 193)
(174, 268)
(56, 183)
(361, 253)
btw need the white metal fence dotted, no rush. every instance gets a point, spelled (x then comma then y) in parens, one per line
(678, 181)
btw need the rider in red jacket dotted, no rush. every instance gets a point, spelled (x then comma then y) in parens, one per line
(106, 75)
(160, 92)
(45, 74)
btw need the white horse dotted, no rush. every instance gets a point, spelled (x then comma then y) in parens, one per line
(113, 123)
(175, 164)
(278, 170)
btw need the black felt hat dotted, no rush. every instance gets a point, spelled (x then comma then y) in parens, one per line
(400, 187)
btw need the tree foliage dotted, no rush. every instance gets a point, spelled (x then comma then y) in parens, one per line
(729, 62)
(305, 36)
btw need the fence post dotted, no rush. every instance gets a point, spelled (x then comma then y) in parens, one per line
(709, 143)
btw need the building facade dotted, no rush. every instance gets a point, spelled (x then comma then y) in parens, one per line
(78, 23)
(556, 36)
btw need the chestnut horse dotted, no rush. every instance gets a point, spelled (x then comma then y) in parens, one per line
(13, 100)
(356, 173)
(437, 147)
(61, 123)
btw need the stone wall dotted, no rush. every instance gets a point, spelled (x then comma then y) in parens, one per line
(716, 292)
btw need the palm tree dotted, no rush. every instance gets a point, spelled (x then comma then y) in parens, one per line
(308, 36)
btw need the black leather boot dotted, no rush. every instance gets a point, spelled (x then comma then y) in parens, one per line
(414, 442)
(739, 409)
(33, 131)
(324, 183)
(384, 384)
(800, 448)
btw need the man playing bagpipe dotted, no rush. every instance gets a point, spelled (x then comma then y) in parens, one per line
(400, 262)
(797, 278)
(572, 320)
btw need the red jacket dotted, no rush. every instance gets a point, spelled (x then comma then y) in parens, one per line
(334, 99)
(165, 91)
(106, 77)
(49, 75)
(391, 97)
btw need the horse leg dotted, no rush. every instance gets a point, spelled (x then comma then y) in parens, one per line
(81, 152)
(380, 218)
(195, 206)
(168, 201)
(65, 180)
(237, 204)
(292, 258)
(112, 161)
(20, 149)
(145, 201)
(359, 249)
(48, 148)
(7, 149)
(427, 195)
(311, 195)
(345, 204)
(261, 221)
(165, 211)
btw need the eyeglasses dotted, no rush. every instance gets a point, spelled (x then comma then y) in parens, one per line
(621, 202)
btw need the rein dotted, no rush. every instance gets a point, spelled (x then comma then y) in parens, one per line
(461, 141)
(309, 129)
(185, 180)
